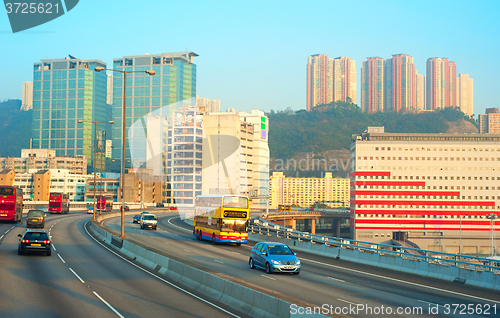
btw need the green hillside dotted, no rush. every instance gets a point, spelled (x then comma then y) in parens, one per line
(330, 126)
(15, 128)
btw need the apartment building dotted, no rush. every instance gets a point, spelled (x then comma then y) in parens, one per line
(489, 123)
(44, 159)
(440, 191)
(319, 80)
(305, 192)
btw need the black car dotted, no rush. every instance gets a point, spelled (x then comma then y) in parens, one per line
(160, 205)
(126, 208)
(35, 218)
(34, 241)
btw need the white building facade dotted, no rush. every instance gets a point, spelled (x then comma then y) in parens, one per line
(440, 191)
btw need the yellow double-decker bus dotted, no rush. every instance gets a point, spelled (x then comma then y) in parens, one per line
(221, 218)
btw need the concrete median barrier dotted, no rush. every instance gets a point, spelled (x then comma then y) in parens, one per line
(238, 297)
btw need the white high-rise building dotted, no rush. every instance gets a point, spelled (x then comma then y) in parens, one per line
(27, 96)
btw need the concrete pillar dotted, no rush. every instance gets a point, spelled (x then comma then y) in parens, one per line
(337, 232)
(313, 226)
(294, 224)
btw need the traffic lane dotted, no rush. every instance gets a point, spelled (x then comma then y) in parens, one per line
(232, 261)
(378, 282)
(127, 288)
(39, 285)
(175, 224)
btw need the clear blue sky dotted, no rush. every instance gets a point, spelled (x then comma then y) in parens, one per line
(253, 54)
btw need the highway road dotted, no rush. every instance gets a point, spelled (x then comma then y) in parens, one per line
(84, 279)
(323, 281)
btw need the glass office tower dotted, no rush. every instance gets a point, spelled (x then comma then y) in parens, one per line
(174, 82)
(65, 91)
(155, 106)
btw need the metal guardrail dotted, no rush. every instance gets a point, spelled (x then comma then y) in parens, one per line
(264, 227)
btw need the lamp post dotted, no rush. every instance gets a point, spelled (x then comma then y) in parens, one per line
(94, 160)
(492, 217)
(122, 174)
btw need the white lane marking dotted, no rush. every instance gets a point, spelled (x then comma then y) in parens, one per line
(346, 301)
(166, 243)
(268, 277)
(12, 227)
(7, 231)
(158, 277)
(1, 237)
(401, 281)
(423, 301)
(107, 304)
(218, 261)
(61, 258)
(177, 225)
(54, 247)
(187, 251)
(340, 280)
(76, 275)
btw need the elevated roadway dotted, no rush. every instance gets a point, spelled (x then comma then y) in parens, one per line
(323, 281)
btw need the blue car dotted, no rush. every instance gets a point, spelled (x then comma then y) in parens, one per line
(137, 218)
(274, 257)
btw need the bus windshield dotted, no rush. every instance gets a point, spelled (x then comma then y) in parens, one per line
(235, 202)
(233, 225)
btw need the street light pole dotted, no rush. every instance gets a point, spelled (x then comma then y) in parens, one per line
(122, 175)
(93, 164)
(94, 161)
(460, 244)
(492, 217)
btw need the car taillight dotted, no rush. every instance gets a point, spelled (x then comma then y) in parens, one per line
(25, 241)
(46, 242)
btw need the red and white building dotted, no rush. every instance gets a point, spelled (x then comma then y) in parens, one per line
(441, 190)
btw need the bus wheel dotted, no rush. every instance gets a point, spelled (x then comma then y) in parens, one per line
(238, 244)
(213, 238)
(198, 235)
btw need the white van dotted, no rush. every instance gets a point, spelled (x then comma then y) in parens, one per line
(148, 221)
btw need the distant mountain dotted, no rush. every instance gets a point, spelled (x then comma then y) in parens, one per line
(15, 128)
(326, 131)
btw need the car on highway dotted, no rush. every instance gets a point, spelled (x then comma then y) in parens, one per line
(137, 218)
(34, 241)
(127, 208)
(173, 208)
(35, 218)
(160, 205)
(148, 221)
(274, 257)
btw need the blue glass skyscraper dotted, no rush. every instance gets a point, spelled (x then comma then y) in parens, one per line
(64, 92)
(174, 82)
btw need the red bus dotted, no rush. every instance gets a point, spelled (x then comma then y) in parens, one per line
(59, 203)
(104, 203)
(11, 203)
